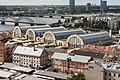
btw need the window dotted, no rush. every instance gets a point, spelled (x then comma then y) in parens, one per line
(114, 75)
(118, 75)
(105, 73)
(109, 74)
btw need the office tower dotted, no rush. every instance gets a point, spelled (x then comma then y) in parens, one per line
(88, 7)
(103, 6)
(72, 5)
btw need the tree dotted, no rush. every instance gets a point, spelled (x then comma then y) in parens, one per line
(77, 76)
(99, 24)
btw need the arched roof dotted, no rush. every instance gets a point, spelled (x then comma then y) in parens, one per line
(15, 29)
(40, 32)
(77, 36)
(64, 34)
(35, 26)
(49, 32)
(25, 28)
(95, 37)
(24, 19)
(30, 30)
(92, 37)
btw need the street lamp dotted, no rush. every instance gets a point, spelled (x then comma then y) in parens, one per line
(68, 65)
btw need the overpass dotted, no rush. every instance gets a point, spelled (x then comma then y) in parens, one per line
(29, 20)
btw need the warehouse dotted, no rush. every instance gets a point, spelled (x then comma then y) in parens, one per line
(20, 31)
(33, 33)
(51, 37)
(100, 38)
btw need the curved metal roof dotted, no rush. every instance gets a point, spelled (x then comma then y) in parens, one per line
(65, 34)
(24, 29)
(40, 31)
(95, 37)
(34, 26)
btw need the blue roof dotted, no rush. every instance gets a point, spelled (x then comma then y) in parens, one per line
(65, 34)
(95, 37)
(24, 29)
(40, 32)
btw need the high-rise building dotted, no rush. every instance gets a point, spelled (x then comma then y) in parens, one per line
(103, 6)
(88, 7)
(72, 5)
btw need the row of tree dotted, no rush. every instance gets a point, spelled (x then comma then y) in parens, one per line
(93, 24)
(77, 76)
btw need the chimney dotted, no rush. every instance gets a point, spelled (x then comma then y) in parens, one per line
(119, 32)
(110, 33)
(34, 48)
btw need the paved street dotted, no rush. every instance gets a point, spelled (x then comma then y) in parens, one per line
(93, 73)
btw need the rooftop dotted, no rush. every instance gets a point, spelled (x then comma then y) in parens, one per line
(34, 27)
(5, 74)
(23, 69)
(68, 32)
(111, 66)
(95, 37)
(55, 50)
(7, 65)
(14, 67)
(61, 28)
(88, 53)
(47, 26)
(51, 74)
(32, 78)
(76, 58)
(28, 51)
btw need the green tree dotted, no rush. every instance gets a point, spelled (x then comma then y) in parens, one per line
(79, 76)
(99, 24)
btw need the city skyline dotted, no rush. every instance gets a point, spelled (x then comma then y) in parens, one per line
(55, 2)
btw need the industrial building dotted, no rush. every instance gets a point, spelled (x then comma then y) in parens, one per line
(33, 33)
(19, 32)
(77, 41)
(52, 37)
(60, 37)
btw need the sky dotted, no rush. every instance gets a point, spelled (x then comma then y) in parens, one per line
(55, 2)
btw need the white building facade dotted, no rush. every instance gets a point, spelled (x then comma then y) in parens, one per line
(30, 57)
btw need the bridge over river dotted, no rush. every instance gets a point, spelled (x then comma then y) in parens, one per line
(31, 20)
